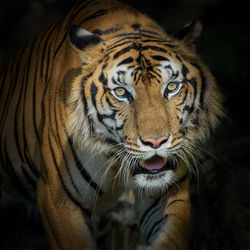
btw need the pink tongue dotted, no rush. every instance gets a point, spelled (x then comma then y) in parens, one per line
(154, 163)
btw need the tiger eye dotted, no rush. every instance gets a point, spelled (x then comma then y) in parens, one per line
(120, 91)
(172, 86)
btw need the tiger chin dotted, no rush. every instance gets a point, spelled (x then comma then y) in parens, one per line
(101, 102)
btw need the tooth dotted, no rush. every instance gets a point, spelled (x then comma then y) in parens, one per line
(142, 164)
(165, 161)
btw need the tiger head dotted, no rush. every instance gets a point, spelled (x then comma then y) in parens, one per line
(145, 99)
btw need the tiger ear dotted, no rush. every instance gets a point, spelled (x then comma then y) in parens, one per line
(83, 41)
(190, 33)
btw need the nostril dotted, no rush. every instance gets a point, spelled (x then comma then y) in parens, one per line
(146, 142)
(154, 142)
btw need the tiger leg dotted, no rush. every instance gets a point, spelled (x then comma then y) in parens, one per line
(164, 222)
(63, 221)
(62, 216)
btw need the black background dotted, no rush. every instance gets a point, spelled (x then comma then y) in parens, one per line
(221, 201)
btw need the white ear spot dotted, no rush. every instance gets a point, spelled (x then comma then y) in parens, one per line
(81, 38)
(82, 33)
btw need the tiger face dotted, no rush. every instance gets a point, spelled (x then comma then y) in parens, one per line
(147, 100)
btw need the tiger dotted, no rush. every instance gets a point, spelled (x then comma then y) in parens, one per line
(101, 102)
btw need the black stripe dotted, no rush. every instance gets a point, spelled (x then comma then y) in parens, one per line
(27, 156)
(84, 79)
(85, 104)
(126, 61)
(16, 122)
(116, 44)
(114, 81)
(83, 170)
(154, 74)
(149, 31)
(104, 116)
(45, 40)
(103, 79)
(203, 86)
(149, 209)
(151, 213)
(129, 143)
(42, 106)
(188, 109)
(60, 45)
(3, 82)
(178, 182)
(160, 58)
(184, 98)
(23, 83)
(110, 103)
(30, 163)
(172, 202)
(123, 51)
(105, 63)
(95, 15)
(11, 173)
(194, 85)
(109, 128)
(108, 31)
(34, 105)
(47, 63)
(178, 58)
(152, 40)
(154, 48)
(28, 177)
(195, 120)
(62, 182)
(157, 223)
(139, 35)
(93, 91)
(15, 67)
(49, 224)
(34, 99)
(120, 127)
(139, 77)
(169, 45)
(12, 66)
(32, 166)
(110, 141)
(76, 11)
(184, 70)
(119, 73)
(134, 150)
(157, 40)
(61, 147)
(129, 39)
(45, 37)
(68, 170)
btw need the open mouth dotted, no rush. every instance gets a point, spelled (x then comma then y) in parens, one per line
(155, 165)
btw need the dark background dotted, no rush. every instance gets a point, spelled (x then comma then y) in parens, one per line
(220, 196)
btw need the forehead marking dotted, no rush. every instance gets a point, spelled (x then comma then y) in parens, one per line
(170, 71)
(126, 61)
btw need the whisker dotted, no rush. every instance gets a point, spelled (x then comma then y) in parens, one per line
(201, 146)
(108, 166)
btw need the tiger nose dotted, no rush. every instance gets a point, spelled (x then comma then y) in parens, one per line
(154, 142)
